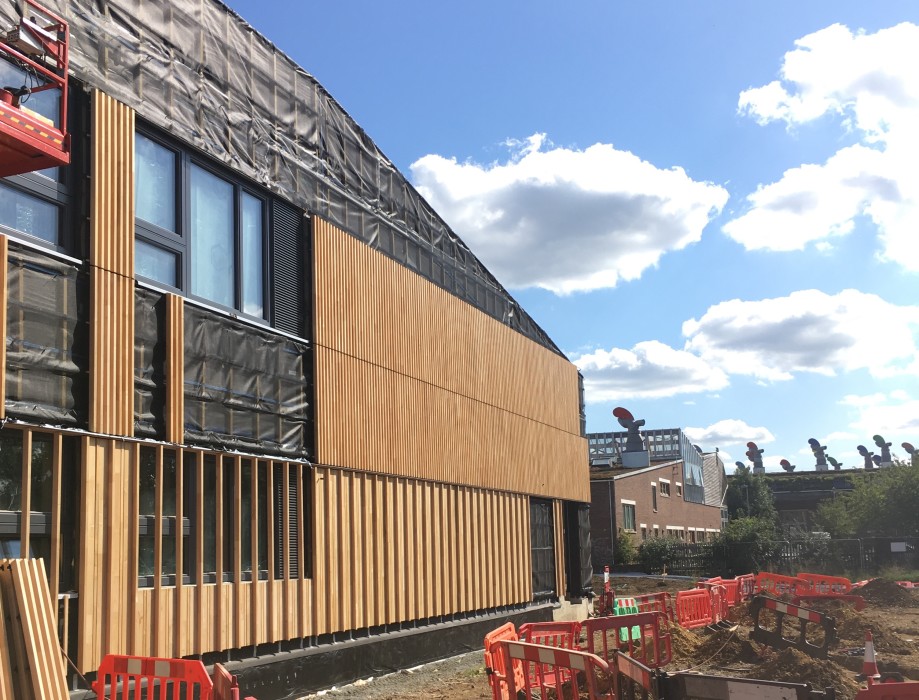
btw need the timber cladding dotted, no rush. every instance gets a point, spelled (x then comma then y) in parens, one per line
(412, 381)
(333, 550)
(112, 260)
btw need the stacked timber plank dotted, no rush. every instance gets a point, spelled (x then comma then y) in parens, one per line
(31, 663)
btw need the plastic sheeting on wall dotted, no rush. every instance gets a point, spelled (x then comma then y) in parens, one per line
(197, 70)
(245, 388)
(149, 363)
(47, 367)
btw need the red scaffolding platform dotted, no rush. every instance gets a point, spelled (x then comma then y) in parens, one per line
(38, 48)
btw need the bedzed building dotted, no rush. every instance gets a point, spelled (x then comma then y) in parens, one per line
(257, 398)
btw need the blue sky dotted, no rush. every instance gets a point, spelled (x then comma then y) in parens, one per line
(711, 207)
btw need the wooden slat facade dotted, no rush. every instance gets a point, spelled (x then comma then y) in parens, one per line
(414, 382)
(111, 258)
(434, 425)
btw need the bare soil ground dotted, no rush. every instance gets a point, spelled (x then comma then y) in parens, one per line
(892, 614)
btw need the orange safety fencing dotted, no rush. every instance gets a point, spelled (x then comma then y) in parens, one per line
(565, 635)
(226, 686)
(746, 586)
(561, 635)
(777, 584)
(890, 690)
(651, 644)
(498, 663)
(128, 676)
(694, 608)
(656, 602)
(827, 584)
(547, 669)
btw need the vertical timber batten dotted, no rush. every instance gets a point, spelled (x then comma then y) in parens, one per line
(111, 259)
(175, 369)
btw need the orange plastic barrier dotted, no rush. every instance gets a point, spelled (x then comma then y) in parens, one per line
(694, 608)
(176, 678)
(226, 687)
(908, 584)
(564, 635)
(732, 592)
(539, 660)
(719, 602)
(746, 585)
(890, 690)
(827, 584)
(656, 602)
(652, 645)
(497, 662)
(777, 584)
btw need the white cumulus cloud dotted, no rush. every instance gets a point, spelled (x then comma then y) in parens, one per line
(807, 331)
(730, 431)
(650, 369)
(871, 82)
(568, 220)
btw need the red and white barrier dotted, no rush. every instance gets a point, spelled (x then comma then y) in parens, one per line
(546, 669)
(176, 678)
(651, 645)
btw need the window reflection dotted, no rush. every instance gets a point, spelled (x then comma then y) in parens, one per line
(28, 214)
(154, 183)
(213, 269)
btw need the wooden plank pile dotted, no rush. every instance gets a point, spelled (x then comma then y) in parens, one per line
(31, 663)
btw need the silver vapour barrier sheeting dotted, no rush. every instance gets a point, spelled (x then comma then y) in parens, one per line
(200, 72)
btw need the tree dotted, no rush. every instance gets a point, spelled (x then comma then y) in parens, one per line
(749, 496)
(882, 502)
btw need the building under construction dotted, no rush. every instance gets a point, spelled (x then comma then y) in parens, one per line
(259, 402)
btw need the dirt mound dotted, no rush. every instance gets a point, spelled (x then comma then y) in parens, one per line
(740, 614)
(793, 666)
(684, 643)
(888, 594)
(727, 647)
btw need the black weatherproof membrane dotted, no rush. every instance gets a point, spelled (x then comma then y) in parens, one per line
(199, 71)
(47, 339)
(245, 387)
(149, 363)
(542, 543)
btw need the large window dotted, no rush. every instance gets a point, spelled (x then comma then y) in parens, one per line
(205, 231)
(32, 204)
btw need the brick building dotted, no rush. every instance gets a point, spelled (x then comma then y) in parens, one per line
(680, 495)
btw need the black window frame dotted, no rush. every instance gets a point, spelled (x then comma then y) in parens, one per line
(180, 243)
